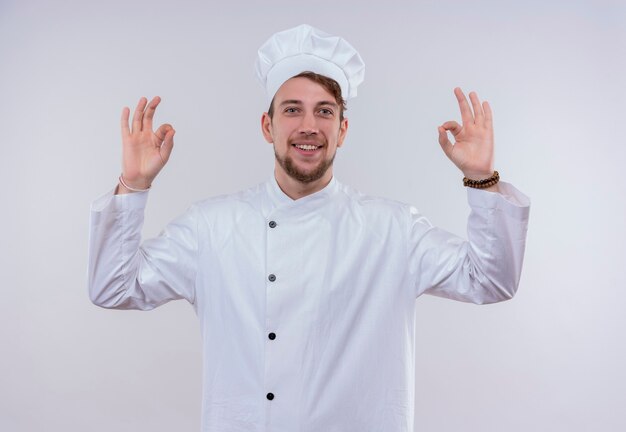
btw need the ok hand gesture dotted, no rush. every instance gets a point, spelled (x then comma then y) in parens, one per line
(472, 151)
(144, 151)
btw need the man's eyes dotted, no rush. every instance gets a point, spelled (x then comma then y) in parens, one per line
(323, 111)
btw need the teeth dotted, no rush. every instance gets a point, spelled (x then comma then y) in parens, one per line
(306, 147)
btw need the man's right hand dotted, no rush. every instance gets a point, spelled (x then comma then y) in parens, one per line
(144, 151)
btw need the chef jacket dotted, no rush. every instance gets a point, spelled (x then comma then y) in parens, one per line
(307, 306)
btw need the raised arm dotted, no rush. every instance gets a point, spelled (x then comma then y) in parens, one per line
(124, 272)
(485, 268)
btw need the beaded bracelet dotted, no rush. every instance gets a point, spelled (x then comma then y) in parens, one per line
(484, 183)
(132, 189)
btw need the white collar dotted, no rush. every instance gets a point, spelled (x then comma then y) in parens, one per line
(278, 198)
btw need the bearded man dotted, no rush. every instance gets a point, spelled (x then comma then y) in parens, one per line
(305, 288)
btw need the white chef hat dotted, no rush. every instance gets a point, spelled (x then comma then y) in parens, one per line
(305, 48)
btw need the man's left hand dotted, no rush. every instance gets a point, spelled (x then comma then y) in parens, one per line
(472, 151)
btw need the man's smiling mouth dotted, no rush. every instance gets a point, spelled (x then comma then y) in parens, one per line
(307, 147)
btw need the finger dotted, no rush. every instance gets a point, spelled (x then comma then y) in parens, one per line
(162, 131)
(147, 118)
(488, 114)
(466, 112)
(479, 116)
(124, 122)
(167, 146)
(444, 142)
(453, 127)
(138, 115)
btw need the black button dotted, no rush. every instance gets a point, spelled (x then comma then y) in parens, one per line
(270, 396)
(272, 224)
(272, 278)
(272, 336)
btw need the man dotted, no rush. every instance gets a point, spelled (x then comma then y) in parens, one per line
(304, 287)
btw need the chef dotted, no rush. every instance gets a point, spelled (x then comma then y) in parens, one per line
(305, 288)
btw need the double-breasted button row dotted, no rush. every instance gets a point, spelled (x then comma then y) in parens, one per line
(271, 278)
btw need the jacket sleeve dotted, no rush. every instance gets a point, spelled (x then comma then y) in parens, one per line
(484, 269)
(124, 273)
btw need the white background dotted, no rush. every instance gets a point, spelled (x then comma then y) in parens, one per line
(554, 72)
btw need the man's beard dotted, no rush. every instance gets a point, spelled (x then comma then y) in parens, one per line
(302, 176)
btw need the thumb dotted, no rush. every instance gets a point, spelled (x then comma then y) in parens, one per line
(444, 142)
(167, 146)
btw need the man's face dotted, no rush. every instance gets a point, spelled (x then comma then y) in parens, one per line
(305, 130)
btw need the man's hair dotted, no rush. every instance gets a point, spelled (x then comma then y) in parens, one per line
(329, 84)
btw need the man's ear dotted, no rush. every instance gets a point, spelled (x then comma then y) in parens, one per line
(343, 130)
(266, 127)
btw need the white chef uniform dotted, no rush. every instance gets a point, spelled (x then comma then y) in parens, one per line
(306, 307)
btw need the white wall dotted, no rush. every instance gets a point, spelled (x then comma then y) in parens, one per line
(549, 360)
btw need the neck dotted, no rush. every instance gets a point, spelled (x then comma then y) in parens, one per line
(295, 189)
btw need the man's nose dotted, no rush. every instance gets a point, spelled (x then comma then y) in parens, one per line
(308, 125)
